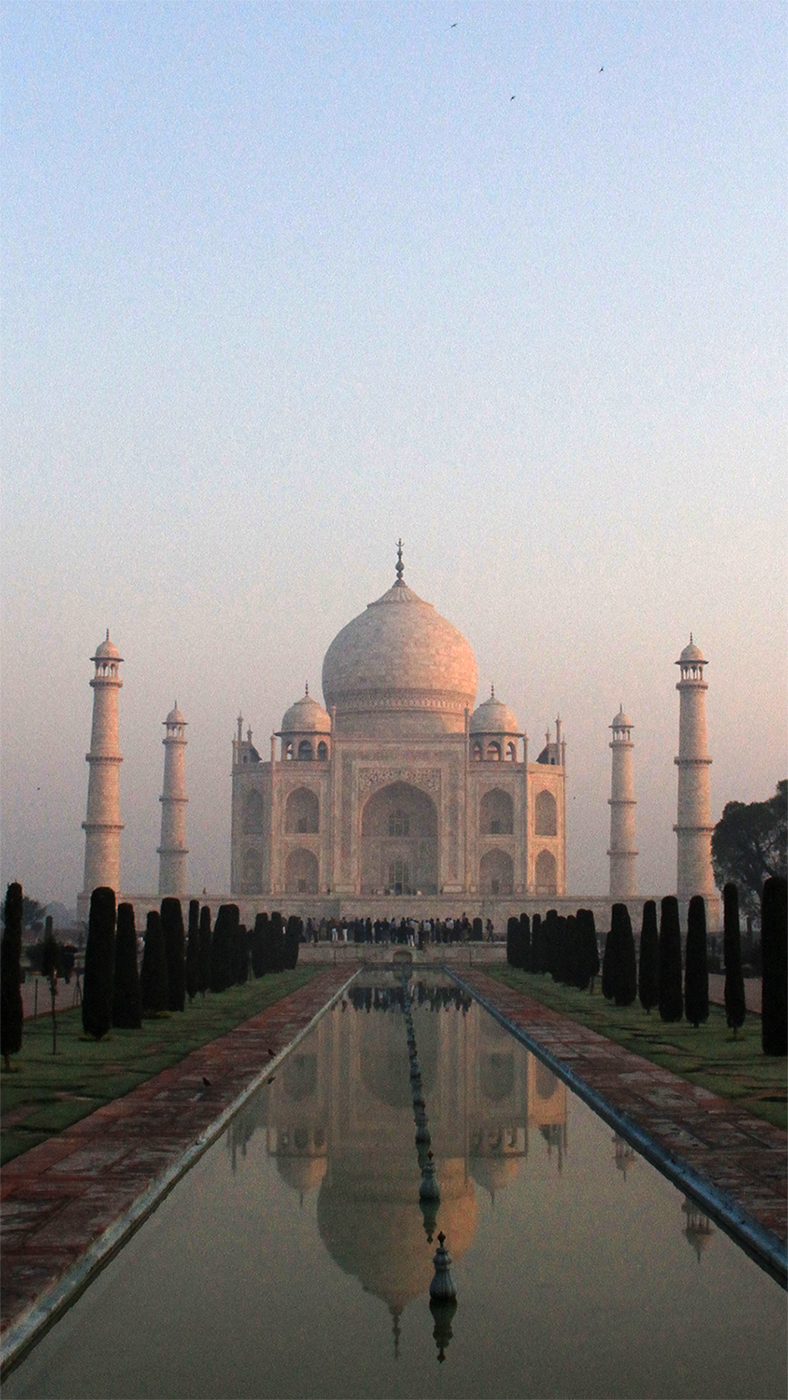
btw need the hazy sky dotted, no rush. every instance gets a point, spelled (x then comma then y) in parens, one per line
(286, 281)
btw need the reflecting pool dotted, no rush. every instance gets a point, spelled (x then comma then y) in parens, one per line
(295, 1258)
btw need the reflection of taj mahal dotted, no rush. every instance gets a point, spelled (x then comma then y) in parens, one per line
(400, 786)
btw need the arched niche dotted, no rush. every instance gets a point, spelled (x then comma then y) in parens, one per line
(496, 873)
(252, 871)
(545, 873)
(305, 750)
(302, 873)
(545, 814)
(496, 813)
(253, 811)
(302, 812)
(399, 841)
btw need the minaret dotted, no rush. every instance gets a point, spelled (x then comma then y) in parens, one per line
(693, 827)
(102, 825)
(623, 852)
(173, 849)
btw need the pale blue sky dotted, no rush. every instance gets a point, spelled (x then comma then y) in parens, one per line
(283, 282)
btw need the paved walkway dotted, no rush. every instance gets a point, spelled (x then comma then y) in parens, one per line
(741, 1158)
(59, 1199)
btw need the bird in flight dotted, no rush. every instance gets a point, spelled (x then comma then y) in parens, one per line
(601, 70)
(511, 99)
(453, 26)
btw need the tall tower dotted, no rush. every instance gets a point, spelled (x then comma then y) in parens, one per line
(173, 849)
(693, 827)
(102, 825)
(622, 853)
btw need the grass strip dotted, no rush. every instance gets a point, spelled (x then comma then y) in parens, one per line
(736, 1069)
(45, 1093)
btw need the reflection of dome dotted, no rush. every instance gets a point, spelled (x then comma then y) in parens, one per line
(301, 1173)
(493, 1173)
(377, 1235)
(306, 716)
(400, 658)
(493, 717)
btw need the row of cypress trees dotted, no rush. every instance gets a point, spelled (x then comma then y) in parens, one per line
(567, 949)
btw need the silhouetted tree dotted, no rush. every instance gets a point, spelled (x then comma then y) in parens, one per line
(99, 964)
(204, 968)
(537, 944)
(126, 994)
(525, 942)
(258, 944)
(175, 950)
(735, 1004)
(276, 942)
(625, 978)
(648, 969)
(774, 944)
(670, 1000)
(193, 951)
(51, 966)
(11, 1010)
(609, 960)
(227, 921)
(154, 992)
(749, 843)
(696, 967)
(589, 948)
(241, 955)
(295, 928)
(512, 942)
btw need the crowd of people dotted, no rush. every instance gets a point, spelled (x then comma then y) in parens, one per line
(408, 932)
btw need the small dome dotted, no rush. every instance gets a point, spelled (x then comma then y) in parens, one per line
(494, 717)
(621, 721)
(107, 650)
(175, 716)
(306, 716)
(691, 653)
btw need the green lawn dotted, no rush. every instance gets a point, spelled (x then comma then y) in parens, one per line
(735, 1069)
(45, 1093)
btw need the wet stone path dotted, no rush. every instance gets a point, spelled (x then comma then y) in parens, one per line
(58, 1199)
(740, 1156)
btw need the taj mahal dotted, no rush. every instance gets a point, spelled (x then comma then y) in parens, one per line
(399, 789)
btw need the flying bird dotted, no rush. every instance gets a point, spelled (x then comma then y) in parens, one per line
(601, 70)
(453, 26)
(511, 99)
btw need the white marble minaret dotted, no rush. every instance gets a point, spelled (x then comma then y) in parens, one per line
(623, 852)
(173, 849)
(693, 827)
(102, 825)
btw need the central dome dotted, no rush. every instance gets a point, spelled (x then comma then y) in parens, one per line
(399, 670)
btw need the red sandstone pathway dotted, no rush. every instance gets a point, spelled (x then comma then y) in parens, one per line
(60, 1197)
(739, 1155)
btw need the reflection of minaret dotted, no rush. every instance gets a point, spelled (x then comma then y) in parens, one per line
(622, 853)
(693, 827)
(173, 849)
(102, 825)
(623, 1154)
(698, 1230)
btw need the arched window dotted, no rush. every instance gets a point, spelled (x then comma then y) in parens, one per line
(288, 751)
(496, 873)
(399, 823)
(305, 749)
(545, 873)
(496, 814)
(302, 813)
(545, 814)
(493, 752)
(476, 751)
(253, 811)
(301, 873)
(322, 750)
(511, 753)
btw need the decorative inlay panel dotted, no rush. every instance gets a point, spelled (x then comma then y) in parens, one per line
(369, 779)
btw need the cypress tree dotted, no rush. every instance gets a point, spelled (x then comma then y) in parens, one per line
(11, 1010)
(276, 943)
(222, 947)
(512, 942)
(648, 969)
(51, 966)
(625, 977)
(552, 952)
(696, 968)
(241, 955)
(99, 964)
(774, 937)
(175, 951)
(670, 1000)
(258, 945)
(589, 948)
(193, 951)
(477, 931)
(735, 1005)
(610, 962)
(574, 962)
(295, 928)
(154, 992)
(126, 994)
(204, 965)
(537, 944)
(525, 942)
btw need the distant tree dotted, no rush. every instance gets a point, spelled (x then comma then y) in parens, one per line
(51, 966)
(589, 948)
(774, 945)
(609, 962)
(11, 1010)
(222, 947)
(625, 980)
(193, 951)
(276, 942)
(513, 941)
(32, 915)
(204, 969)
(240, 955)
(670, 999)
(153, 977)
(126, 994)
(99, 964)
(735, 1005)
(175, 950)
(293, 932)
(537, 944)
(696, 969)
(748, 845)
(477, 934)
(525, 943)
(648, 967)
(258, 945)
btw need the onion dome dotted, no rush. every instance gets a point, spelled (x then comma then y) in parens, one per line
(494, 717)
(306, 716)
(107, 651)
(399, 669)
(691, 655)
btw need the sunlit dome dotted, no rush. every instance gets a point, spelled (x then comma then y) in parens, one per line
(621, 721)
(306, 716)
(494, 717)
(107, 651)
(175, 716)
(691, 652)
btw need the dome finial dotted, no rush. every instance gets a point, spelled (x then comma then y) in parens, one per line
(306, 687)
(400, 565)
